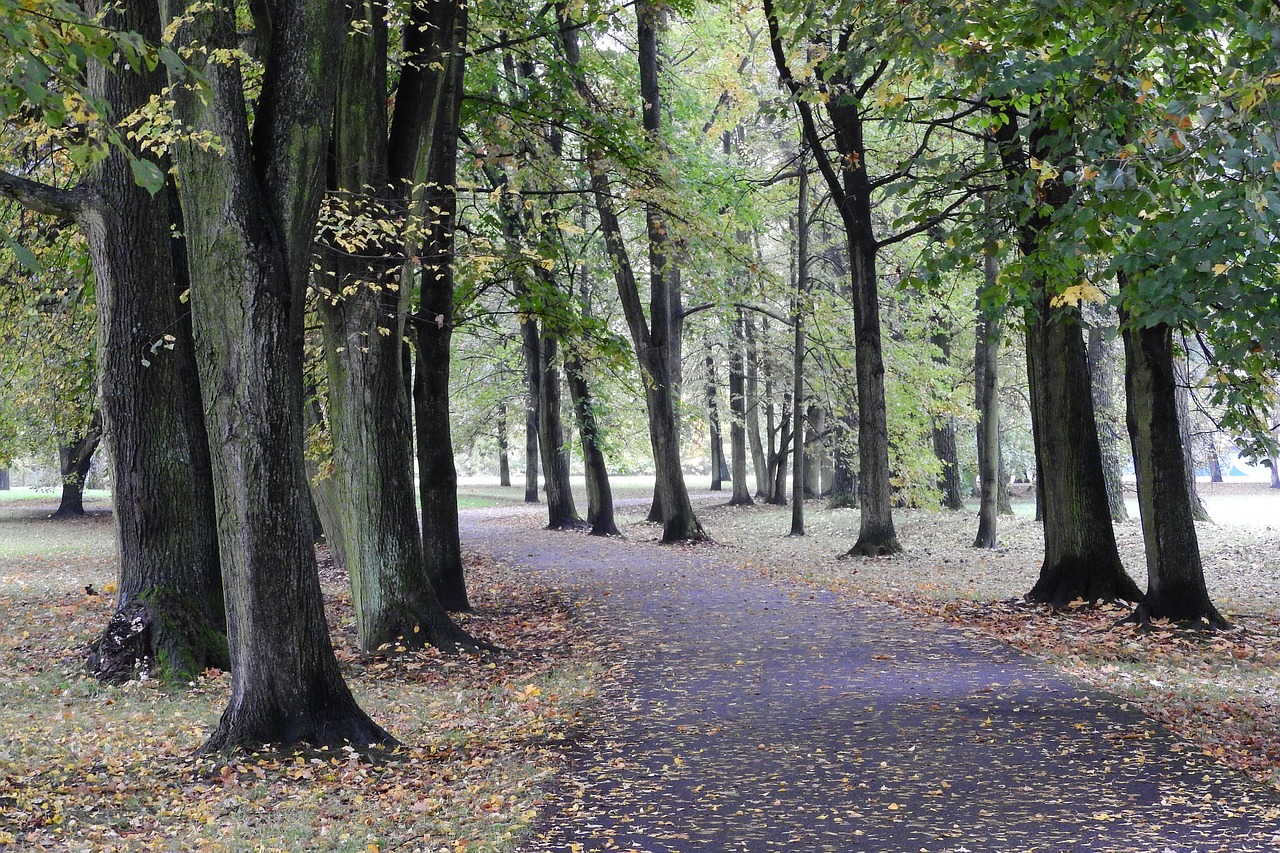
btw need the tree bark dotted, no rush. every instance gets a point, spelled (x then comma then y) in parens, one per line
(74, 459)
(719, 468)
(504, 457)
(1102, 378)
(851, 189)
(987, 385)
(944, 434)
(424, 152)
(1183, 378)
(250, 214)
(798, 480)
(751, 399)
(738, 415)
(1176, 586)
(170, 583)
(1081, 560)
(561, 512)
(599, 493)
(844, 482)
(532, 348)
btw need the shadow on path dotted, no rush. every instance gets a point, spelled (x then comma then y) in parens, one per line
(757, 717)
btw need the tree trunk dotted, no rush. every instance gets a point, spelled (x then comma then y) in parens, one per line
(652, 338)
(74, 460)
(751, 421)
(1176, 587)
(778, 462)
(4, 480)
(561, 512)
(362, 307)
(599, 493)
(250, 223)
(844, 482)
(532, 348)
(987, 385)
(1102, 380)
(169, 618)
(1215, 465)
(799, 475)
(1183, 379)
(851, 189)
(1081, 560)
(719, 468)
(504, 457)
(944, 428)
(738, 416)
(815, 451)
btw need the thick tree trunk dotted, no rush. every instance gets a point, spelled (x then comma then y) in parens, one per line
(169, 617)
(738, 416)
(561, 512)
(1176, 587)
(532, 348)
(434, 84)
(778, 460)
(363, 307)
(504, 456)
(844, 482)
(249, 224)
(1102, 380)
(1081, 559)
(74, 459)
(599, 493)
(815, 454)
(944, 429)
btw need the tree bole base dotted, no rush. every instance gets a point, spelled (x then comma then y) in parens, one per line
(156, 636)
(1200, 616)
(1065, 582)
(250, 730)
(885, 547)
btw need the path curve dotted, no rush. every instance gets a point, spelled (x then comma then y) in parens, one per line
(754, 716)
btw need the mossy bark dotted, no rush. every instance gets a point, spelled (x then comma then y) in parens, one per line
(152, 415)
(250, 215)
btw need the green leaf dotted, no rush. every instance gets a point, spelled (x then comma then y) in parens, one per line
(148, 175)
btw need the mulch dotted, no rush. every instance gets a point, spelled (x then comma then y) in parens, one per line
(752, 715)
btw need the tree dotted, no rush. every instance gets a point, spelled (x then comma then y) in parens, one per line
(169, 618)
(363, 305)
(652, 336)
(249, 210)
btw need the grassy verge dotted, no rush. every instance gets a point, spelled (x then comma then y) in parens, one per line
(83, 767)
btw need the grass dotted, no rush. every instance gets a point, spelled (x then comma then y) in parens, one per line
(85, 767)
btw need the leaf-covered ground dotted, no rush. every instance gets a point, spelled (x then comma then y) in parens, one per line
(85, 767)
(89, 768)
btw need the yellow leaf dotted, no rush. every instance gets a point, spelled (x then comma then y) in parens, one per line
(1219, 269)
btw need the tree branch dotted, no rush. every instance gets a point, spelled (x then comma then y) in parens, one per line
(43, 198)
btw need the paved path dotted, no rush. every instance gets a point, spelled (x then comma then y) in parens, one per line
(754, 717)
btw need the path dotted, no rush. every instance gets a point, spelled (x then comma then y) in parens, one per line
(759, 718)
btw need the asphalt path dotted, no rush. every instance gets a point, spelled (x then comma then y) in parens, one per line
(752, 715)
